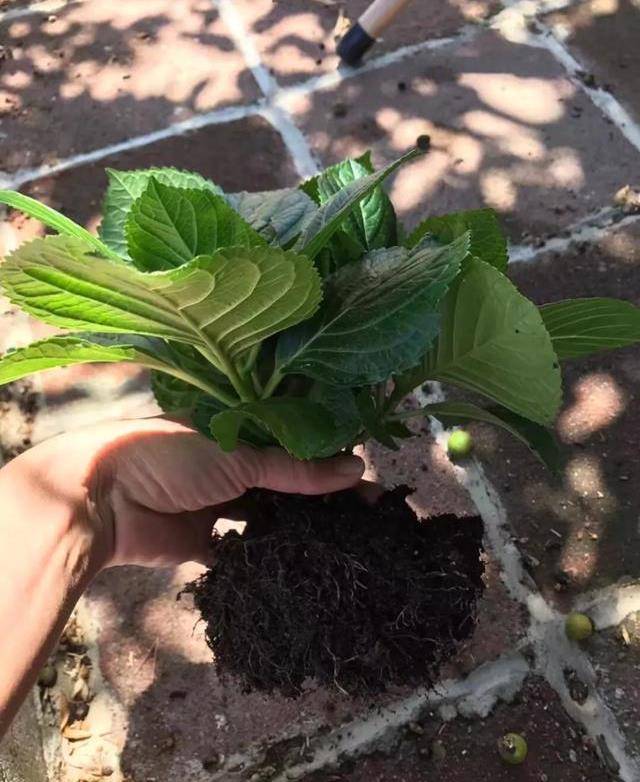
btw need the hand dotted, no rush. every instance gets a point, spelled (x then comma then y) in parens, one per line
(148, 492)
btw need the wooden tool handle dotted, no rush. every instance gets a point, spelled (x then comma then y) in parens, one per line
(380, 14)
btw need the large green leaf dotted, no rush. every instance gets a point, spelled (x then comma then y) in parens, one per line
(379, 316)
(493, 341)
(487, 240)
(331, 215)
(304, 428)
(168, 226)
(225, 302)
(126, 186)
(65, 351)
(277, 215)
(538, 438)
(579, 327)
(53, 219)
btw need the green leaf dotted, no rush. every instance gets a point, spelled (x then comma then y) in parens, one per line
(379, 316)
(342, 404)
(126, 186)
(310, 186)
(53, 219)
(173, 394)
(487, 240)
(277, 215)
(372, 222)
(65, 351)
(579, 327)
(225, 302)
(374, 425)
(304, 428)
(168, 226)
(330, 216)
(538, 439)
(493, 341)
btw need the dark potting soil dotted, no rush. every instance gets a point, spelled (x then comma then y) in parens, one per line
(333, 589)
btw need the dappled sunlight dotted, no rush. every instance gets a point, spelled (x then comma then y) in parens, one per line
(529, 100)
(111, 65)
(510, 137)
(584, 476)
(498, 190)
(598, 400)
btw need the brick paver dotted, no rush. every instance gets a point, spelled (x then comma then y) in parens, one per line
(510, 128)
(298, 40)
(605, 36)
(97, 73)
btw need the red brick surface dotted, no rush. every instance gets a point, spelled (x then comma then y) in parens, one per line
(604, 36)
(297, 39)
(96, 73)
(508, 130)
(557, 750)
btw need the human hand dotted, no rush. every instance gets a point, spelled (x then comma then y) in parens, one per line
(148, 491)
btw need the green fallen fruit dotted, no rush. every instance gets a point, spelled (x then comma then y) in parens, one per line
(578, 626)
(513, 748)
(459, 444)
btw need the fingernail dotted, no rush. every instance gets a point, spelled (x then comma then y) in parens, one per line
(349, 466)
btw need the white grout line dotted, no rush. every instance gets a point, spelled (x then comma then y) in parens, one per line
(334, 78)
(244, 42)
(217, 117)
(607, 607)
(553, 651)
(281, 120)
(591, 229)
(379, 728)
(604, 100)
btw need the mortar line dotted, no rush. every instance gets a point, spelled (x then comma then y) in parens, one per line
(219, 116)
(343, 72)
(590, 229)
(605, 101)
(553, 651)
(280, 119)
(548, 37)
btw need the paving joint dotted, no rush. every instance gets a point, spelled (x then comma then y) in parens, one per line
(554, 653)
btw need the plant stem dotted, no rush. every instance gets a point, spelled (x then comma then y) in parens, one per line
(257, 383)
(272, 384)
(252, 358)
(203, 385)
(242, 387)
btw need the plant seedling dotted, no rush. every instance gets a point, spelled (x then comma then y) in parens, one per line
(303, 317)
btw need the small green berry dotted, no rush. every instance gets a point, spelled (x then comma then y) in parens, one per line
(513, 748)
(578, 626)
(459, 444)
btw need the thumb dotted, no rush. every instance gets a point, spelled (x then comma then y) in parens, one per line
(278, 471)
